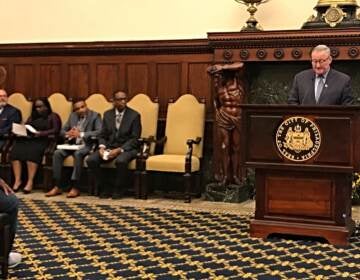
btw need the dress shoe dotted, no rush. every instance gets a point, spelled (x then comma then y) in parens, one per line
(74, 192)
(118, 194)
(17, 188)
(27, 191)
(53, 192)
(104, 195)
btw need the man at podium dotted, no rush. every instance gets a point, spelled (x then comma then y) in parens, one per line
(321, 85)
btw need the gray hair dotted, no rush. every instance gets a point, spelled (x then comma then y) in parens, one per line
(321, 48)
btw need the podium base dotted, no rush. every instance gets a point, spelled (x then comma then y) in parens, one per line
(336, 235)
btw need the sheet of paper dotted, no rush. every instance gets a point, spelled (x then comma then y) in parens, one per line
(19, 129)
(69, 147)
(30, 128)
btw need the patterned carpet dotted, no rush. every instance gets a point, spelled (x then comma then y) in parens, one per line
(62, 240)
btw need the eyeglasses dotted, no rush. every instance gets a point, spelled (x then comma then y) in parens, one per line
(320, 61)
(120, 99)
(75, 109)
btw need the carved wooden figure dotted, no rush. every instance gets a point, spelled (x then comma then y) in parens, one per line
(230, 91)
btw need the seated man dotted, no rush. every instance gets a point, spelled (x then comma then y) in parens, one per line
(82, 125)
(8, 115)
(9, 205)
(121, 128)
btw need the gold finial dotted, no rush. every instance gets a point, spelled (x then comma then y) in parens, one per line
(252, 23)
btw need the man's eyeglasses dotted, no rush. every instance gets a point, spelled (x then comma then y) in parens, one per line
(320, 61)
(120, 99)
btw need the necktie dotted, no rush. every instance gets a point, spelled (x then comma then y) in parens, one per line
(118, 121)
(319, 88)
(80, 126)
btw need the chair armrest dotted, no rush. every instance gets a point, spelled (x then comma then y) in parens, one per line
(190, 143)
(95, 143)
(145, 144)
(50, 149)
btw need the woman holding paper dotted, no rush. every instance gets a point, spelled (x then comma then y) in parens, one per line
(42, 123)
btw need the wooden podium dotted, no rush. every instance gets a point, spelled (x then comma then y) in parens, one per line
(303, 159)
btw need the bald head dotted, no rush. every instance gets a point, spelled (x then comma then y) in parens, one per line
(3, 98)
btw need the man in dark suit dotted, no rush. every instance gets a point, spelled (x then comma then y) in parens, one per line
(8, 115)
(82, 125)
(321, 85)
(120, 131)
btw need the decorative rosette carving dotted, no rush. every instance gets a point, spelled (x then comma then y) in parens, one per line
(279, 53)
(261, 54)
(353, 52)
(228, 54)
(244, 54)
(296, 53)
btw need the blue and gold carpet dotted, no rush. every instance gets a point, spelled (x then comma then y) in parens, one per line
(62, 240)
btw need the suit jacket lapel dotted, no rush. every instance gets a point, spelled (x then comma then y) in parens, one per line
(112, 120)
(312, 83)
(87, 121)
(328, 80)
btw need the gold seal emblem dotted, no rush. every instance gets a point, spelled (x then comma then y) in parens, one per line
(298, 139)
(334, 15)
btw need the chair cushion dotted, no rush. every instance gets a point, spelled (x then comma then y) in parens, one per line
(69, 161)
(170, 163)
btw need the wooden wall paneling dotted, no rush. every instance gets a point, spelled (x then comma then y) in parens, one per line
(78, 76)
(121, 82)
(24, 80)
(168, 84)
(200, 84)
(5, 84)
(65, 79)
(50, 79)
(107, 78)
(137, 78)
(92, 76)
(153, 81)
(184, 85)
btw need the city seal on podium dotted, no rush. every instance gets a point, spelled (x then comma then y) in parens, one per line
(298, 139)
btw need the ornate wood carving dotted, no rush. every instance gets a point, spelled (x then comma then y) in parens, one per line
(295, 44)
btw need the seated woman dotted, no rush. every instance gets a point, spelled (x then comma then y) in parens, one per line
(31, 149)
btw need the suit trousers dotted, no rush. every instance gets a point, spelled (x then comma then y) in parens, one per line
(10, 204)
(58, 160)
(121, 162)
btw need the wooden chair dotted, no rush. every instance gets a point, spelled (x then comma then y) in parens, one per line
(98, 103)
(60, 105)
(19, 101)
(183, 143)
(149, 111)
(4, 244)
